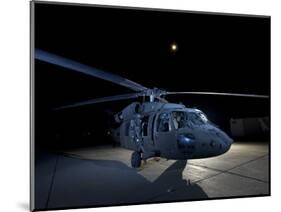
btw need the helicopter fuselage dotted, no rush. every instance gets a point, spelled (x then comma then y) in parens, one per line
(170, 131)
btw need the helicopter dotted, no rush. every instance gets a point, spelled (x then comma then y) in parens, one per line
(154, 127)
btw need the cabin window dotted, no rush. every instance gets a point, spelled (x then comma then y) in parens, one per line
(145, 125)
(127, 128)
(178, 119)
(137, 108)
(163, 124)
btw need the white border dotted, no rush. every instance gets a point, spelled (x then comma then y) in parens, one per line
(14, 102)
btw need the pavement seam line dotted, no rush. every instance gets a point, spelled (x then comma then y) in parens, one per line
(52, 182)
(228, 170)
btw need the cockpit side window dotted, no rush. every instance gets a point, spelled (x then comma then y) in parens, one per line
(178, 119)
(163, 123)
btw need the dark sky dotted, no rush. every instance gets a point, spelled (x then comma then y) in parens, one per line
(222, 53)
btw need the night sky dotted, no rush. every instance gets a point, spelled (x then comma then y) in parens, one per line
(218, 53)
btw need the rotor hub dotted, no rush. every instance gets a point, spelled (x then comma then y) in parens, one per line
(153, 93)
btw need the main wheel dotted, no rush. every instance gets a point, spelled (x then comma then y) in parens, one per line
(136, 159)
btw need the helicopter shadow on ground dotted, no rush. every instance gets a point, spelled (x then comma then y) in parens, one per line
(172, 186)
(84, 182)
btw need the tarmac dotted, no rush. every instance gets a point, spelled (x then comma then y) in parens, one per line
(99, 176)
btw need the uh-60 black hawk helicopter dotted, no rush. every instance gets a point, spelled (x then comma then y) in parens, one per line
(155, 127)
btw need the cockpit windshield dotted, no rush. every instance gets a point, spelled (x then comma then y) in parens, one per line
(182, 119)
(197, 118)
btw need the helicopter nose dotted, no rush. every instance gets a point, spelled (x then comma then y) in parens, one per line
(226, 146)
(222, 139)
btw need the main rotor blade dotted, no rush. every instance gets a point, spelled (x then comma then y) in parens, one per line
(75, 66)
(219, 94)
(161, 99)
(99, 100)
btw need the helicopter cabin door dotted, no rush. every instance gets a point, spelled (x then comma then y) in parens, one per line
(129, 134)
(147, 134)
(164, 135)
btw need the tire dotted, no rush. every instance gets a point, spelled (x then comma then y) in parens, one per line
(136, 159)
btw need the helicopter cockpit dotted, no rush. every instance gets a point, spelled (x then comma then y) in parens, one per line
(197, 117)
(179, 119)
(182, 119)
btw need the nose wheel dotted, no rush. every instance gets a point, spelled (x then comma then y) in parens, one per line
(136, 159)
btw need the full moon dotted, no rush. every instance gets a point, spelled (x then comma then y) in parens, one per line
(174, 47)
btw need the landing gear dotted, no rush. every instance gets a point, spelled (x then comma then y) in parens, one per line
(136, 159)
